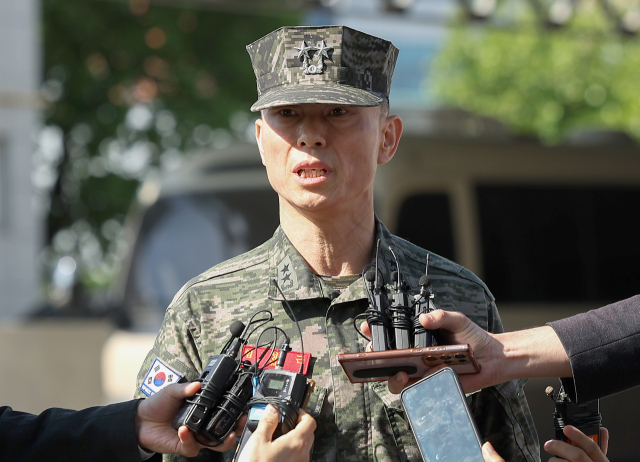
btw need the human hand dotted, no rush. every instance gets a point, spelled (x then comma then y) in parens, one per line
(153, 423)
(585, 449)
(293, 446)
(489, 454)
(457, 329)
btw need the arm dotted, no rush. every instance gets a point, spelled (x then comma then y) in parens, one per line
(111, 432)
(94, 434)
(511, 355)
(601, 344)
(531, 353)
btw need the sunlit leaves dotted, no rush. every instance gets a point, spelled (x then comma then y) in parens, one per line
(541, 81)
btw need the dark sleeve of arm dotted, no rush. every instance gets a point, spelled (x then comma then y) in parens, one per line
(603, 346)
(95, 434)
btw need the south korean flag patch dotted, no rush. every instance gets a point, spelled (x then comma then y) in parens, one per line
(159, 376)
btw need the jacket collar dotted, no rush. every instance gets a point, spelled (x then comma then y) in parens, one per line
(289, 272)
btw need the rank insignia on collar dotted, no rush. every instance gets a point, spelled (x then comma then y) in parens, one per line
(287, 279)
(303, 52)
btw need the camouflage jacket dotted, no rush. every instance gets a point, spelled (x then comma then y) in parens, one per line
(356, 422)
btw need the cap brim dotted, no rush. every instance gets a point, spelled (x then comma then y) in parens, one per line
(316, 94)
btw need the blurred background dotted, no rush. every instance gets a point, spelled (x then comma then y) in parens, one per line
(128, 166)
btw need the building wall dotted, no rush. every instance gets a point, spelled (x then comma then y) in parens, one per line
(20, 228)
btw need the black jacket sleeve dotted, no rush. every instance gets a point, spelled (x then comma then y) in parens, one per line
(95, 434)
(603, 346)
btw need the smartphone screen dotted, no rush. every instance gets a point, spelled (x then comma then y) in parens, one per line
(440, 419)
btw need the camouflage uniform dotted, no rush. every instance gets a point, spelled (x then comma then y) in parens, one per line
(356, 422)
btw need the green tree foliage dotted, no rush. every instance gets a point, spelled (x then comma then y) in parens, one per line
(541, 81)
(131, 87)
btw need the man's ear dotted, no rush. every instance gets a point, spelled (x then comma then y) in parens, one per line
(259, 123)
(391, 133)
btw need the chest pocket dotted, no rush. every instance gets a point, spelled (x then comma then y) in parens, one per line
(402, 434)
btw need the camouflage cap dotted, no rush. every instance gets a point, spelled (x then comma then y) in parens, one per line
(321, 64)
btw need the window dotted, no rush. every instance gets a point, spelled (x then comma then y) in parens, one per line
(182, 236)
(425, 220)
(560, 243)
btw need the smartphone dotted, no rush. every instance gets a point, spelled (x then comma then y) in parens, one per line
(440, 419)
(377, 366)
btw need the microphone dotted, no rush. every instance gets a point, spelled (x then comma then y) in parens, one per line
(236, 329)
(232, 347)
(376, 313)
(424, 304)
(425, 282)
(370, 277)
(400, 313)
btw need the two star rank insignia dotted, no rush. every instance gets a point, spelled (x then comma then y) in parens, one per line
(287, 279)
(307, 59)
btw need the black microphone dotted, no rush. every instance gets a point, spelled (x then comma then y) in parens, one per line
(424, 304)
(236, 328)
(376, 313)
(400, 313)
(218, 375)
(232, 347)
(425, 282)
(370, 277)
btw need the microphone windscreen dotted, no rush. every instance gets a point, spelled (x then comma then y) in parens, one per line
(425, 281)
(236, 328)
(370, 276)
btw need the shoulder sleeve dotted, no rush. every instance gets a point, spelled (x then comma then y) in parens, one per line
(177, 342)
(95, 434)
(601, 344)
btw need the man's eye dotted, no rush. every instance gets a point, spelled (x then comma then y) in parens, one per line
(338, 111)
(287, 112)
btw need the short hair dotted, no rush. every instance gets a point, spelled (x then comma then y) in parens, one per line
(384, 108)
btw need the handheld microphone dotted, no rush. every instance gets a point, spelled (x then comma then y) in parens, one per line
(217, 377)
(585, 417)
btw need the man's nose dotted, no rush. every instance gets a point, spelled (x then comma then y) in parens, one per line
(312, 133)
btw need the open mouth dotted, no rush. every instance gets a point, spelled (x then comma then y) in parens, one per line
(311, 172)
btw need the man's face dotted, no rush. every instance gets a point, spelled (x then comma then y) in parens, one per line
(323, 157)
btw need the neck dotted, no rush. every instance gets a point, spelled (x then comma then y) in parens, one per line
(334, 246)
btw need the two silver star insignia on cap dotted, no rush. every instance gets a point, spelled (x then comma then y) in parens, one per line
(303, 52)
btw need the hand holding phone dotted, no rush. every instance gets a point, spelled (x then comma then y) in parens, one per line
(378, 366)
(440, 419)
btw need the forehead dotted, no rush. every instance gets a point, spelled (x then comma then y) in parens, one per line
(319, 107)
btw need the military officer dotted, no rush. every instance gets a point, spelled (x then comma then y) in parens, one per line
(324, 130)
